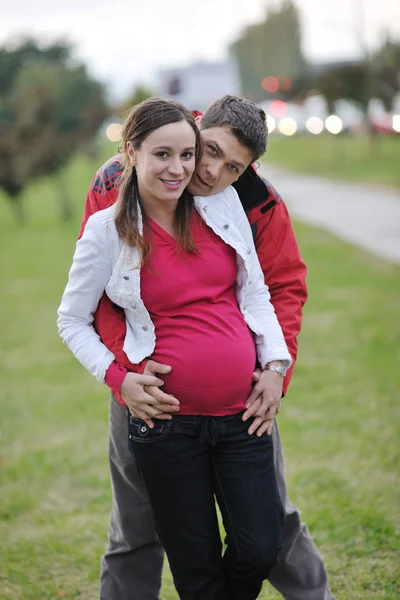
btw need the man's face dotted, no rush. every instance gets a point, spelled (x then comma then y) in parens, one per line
(223, 161)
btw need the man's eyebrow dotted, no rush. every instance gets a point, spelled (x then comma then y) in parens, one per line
(237, 164)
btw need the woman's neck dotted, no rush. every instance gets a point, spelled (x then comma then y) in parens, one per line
(160, 211)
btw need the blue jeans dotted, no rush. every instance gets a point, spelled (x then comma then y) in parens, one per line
(185, 464)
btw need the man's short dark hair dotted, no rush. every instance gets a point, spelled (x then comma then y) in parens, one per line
(246, 120)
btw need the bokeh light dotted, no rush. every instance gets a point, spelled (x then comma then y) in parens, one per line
(315, 125)
(287, 126)
(396, 123)
(278, 108)
(285, 84)
(334, 124)
(270, 84)
(271, 123)
(113, 132)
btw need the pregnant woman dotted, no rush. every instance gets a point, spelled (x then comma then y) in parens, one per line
(185, 272)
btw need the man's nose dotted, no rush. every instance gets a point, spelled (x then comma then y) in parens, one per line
(214, 170)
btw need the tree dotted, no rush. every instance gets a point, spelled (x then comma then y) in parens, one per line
(386, 63)
(12, 59)
(51, 109)
(376, 77)
(270, 49)
(345, 80)
(140, 93)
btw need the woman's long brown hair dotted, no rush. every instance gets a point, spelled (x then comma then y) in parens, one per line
(143, 119)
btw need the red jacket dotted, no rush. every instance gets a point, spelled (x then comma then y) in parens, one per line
(283, 267)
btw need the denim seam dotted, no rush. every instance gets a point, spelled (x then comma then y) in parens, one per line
(226, 508)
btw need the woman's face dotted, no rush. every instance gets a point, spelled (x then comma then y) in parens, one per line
(165, 162)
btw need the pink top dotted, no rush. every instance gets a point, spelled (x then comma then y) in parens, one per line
(200, 331)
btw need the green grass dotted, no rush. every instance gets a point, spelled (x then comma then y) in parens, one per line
(339, 157)
(340, 421)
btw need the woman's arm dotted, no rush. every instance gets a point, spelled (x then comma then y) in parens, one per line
(256, 299)
(90, 272)
(91, 269)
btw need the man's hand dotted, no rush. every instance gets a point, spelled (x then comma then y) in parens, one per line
(166, 403)
(264, 401)
(143, 396)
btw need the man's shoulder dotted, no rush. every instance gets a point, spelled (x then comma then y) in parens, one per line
(108, 176)
(255, 191)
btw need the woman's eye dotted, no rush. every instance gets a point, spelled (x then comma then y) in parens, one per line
(188, 155)
(232, 167)
(212, 149)
(162, 154)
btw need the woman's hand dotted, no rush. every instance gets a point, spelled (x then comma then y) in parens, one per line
(143, 396)
(260, 425)
(264, 402)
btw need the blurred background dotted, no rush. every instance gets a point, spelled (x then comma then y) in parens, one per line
(328, 78)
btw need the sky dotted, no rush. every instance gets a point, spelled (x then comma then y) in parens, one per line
(126, 42)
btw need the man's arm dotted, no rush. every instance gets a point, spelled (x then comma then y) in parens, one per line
(103, 191)
(283, 267)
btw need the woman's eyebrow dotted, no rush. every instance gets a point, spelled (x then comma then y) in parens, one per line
(171, 148)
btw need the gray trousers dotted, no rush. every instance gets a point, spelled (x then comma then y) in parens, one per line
(132, 565)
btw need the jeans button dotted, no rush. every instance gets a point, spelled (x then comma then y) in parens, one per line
(143, 430)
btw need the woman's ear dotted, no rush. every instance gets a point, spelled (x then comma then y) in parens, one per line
(198, 121)
(131, 154)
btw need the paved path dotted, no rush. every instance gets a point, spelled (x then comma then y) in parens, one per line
(368, 217)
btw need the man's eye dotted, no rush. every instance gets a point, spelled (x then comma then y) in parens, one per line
(188, 155)
(232, 167)
(162, 154)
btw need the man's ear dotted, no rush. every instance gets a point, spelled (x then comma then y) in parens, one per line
(198, 121)
(131, 154)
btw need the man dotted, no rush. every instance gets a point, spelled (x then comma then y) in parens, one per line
(131, 567)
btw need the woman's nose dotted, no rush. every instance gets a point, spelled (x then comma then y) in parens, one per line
(175, 167)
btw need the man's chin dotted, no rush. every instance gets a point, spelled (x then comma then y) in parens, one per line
(200, 191)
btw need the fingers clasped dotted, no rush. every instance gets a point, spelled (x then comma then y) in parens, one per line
(145, 399)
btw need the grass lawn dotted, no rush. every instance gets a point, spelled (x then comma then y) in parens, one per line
(339, 157)
(340, 421)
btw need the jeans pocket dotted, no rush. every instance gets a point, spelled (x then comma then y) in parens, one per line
(140, 432)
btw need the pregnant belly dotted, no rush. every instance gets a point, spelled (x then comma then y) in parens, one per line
(210, 377)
